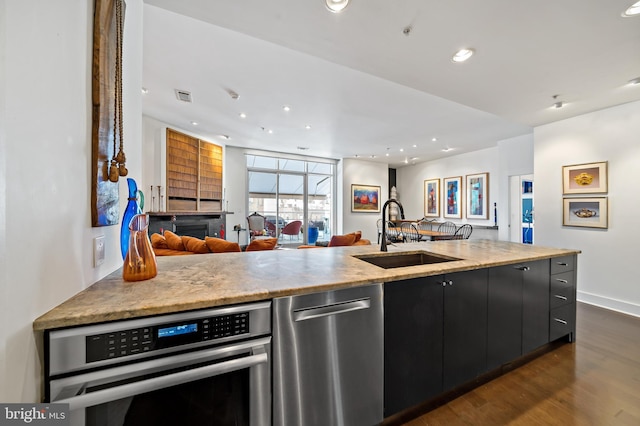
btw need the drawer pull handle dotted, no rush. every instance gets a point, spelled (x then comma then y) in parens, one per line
(561, 281)
(560, 297)
(522, 268)
(561, 263)
(560, 321)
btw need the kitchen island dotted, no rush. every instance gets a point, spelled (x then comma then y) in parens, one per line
(340, 335)
(207, 280)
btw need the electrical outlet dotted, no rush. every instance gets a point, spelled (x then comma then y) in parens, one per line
(98, 251)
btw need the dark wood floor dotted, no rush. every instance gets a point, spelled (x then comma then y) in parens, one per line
(594, 381)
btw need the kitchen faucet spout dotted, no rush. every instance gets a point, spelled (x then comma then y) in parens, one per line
(383, 244)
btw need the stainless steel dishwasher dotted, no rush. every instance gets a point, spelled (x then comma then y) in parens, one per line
(328, 358)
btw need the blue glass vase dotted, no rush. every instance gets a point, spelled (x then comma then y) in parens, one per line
(130, 211)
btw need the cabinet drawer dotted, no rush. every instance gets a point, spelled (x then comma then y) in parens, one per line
(562, 290)
(561, 321)
(562, 264)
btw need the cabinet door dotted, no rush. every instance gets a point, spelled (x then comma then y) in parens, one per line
(504, 336)
(535, 314)
(413, 342)
(465, 327)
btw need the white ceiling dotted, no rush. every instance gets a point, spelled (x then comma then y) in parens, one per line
(366, 88)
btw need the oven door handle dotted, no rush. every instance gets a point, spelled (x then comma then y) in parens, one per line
(131, 389)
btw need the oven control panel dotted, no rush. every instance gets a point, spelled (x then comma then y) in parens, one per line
(133, 341)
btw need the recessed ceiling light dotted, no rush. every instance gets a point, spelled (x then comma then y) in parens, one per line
(558, 105)
(434, 139)
(243, 115)
(401, 149)
(308, 127)
(336, 6)
(633, 10)
(195, 123)
(270, 131)
(634, 81)
(415, 146)
(406, 161)
(145, 90)
(226, 137)
(287, 108)
(462, 55)
(447, 149)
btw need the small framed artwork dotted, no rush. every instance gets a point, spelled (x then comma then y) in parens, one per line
(452, 188)
(478, 196)
(432, 198)
(365, 198)
(585, 212)
(590, 178)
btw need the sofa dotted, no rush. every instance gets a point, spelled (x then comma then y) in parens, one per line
(350, 239)
(171, 244)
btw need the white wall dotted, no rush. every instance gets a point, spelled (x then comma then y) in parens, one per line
(235, 172)
(4, 291)
(45, 178)
(606, 276)
(362, 173)
(410, 182)
(515, 158)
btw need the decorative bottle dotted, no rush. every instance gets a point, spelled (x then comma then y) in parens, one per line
(130, 211)
(140, 260)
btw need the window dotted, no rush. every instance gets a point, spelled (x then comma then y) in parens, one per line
(287, 190)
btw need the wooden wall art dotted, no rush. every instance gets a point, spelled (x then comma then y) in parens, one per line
(107, 161)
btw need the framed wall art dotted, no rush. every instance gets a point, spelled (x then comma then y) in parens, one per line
(452, 187)
(585, 212)
(590, 178)
(365, 198)
(432, 198)
(478, 196)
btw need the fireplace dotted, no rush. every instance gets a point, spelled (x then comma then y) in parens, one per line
(195, 224)
(198, 230)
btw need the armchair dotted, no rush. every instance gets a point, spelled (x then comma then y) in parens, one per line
(256, 224)
(292, 228)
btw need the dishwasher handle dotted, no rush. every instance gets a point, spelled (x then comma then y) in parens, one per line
(107, 395)
(333, 309)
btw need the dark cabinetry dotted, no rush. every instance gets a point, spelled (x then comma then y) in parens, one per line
(518, 297)
(413, 316)
(562, 298)
(443, 331)
(535, 324)
(435, 336)
(465, 327)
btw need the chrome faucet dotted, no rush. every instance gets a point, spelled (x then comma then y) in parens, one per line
(383, 244)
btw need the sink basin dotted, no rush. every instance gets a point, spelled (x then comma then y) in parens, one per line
(399, 260)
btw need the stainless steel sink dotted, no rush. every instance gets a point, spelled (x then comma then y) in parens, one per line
(399, 260)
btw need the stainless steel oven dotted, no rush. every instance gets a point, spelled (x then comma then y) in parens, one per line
(206, 367)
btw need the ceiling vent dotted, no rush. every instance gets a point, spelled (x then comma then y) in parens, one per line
(183, 95)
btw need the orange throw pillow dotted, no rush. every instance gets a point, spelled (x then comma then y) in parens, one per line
(195, 245)
(357, 234)
(158, 241)
(342, 240)
(218, 245)
(262, 244)
(173, 241)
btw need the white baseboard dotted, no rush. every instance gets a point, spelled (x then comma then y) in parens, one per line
(608, 303)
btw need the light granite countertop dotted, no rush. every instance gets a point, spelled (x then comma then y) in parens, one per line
(200, 281)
